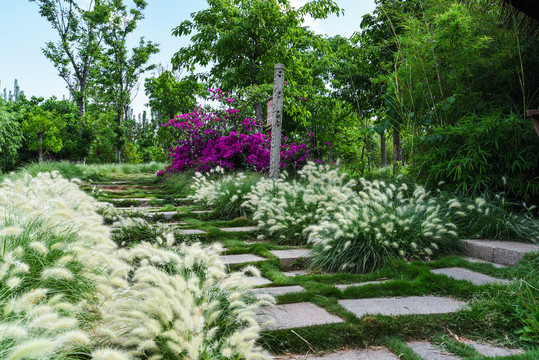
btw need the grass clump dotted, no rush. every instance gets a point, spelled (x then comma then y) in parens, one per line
(386, 221)
(480, 218)
(284, 208)
(224, 194)
(92, 172)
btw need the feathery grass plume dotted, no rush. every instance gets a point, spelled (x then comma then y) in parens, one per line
(146, 301)
(495, 218)
(284, 209)
(223, 193)
(184, 297)
(386, 220)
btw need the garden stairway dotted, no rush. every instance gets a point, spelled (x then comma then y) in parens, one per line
(316, 312)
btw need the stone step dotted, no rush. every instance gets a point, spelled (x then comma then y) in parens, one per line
(279, 290)
(402, 305)
(430, 351)
(295, 273)
(201, 211)
(112, 187)
(471, 276)
(291, 257)
(500, 252)
(240, 259)
(288, 316)
(346, 286)
(491, 350)
(190, 232)
(363, 354)
(136, 208)
(481, 261)
(241, 229)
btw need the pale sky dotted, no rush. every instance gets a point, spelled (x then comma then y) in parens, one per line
(23, 32)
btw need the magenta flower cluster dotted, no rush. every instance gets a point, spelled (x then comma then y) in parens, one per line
(219, 138)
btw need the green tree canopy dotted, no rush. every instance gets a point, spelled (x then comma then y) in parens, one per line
(243, 39)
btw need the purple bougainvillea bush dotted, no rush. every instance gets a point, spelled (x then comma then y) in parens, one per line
(207, 139)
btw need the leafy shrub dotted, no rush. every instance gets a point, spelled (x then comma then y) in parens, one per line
(67, 291)
(284, 209)
(478, 153)
(220, 138)
(491, 219)
(10, 139)
(386, 221)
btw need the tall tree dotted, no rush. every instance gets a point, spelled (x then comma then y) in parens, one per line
(78, 46)
(169, 95)
(119, 68)
(42, 129)
(243, 39)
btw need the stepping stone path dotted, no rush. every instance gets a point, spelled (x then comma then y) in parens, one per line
(471, 276)
(402, 305)
(365, 354)
(297, 315)
(500, 252)
(295, 273)
(346, 286)
(190, 232)
(491, 350)
(430, 351)
(241, 229)
(289, 316)
(239, 259)
(289, 258)
(475, 260)
(279, 290)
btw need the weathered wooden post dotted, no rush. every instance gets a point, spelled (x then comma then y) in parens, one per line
(276, 120)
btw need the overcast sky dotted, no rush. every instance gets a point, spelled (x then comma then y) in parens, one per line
(23, 33)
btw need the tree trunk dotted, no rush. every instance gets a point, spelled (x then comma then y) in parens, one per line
(259, 115)
(40, 150)
(397, 151)
(118, 135)
(383, 149)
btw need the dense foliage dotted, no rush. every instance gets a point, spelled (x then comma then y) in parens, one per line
(358, 227)
(437, 86)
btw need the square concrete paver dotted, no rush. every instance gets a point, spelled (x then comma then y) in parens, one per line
(289, 316)
(295, 273)
(365, 354)
(471, 276)
(258, 281)
(190, 232)
(201, 211)
(403, 306)
(346, 286)
(491, 350)
(279, 290)
(476, 260)
(239, 259)
(289, 257)
(429, 351)
(241, 229)
(500, 252)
